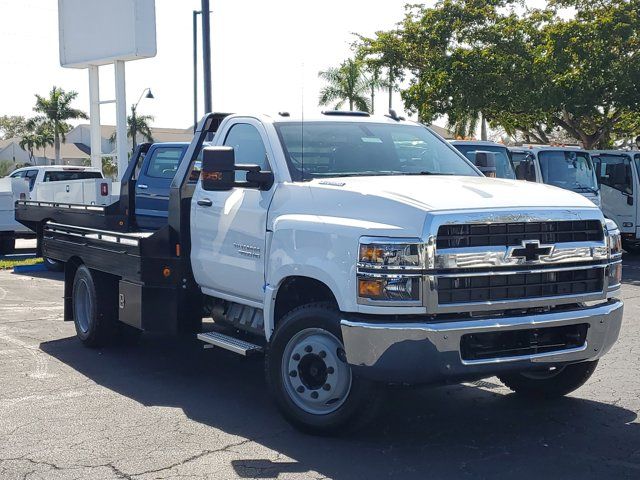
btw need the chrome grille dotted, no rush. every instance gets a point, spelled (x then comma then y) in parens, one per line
(516, 286)
(512, 234)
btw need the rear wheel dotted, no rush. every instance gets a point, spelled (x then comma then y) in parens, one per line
(92, 315)
(7, 245)
(309, 377)
(549, 383)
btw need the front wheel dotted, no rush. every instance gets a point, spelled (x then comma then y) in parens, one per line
(550, 383)
(309, 377)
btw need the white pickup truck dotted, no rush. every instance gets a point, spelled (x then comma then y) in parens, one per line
(353, 252)
(54, 184)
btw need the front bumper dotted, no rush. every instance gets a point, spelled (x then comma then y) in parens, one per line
(429, 352)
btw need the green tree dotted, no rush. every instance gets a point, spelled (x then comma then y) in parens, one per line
(531, 72)
(38, 134)
(137, 125)
(346, 83)
(386, 52)
(56, 110)
(12, 126)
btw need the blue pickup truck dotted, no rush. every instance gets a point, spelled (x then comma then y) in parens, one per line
(153, 181)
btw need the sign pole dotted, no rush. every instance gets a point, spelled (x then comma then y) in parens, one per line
(94, 116)
(121, 118)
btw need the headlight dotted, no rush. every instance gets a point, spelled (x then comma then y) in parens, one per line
(389, 255)
(614, 238)
(389, 271)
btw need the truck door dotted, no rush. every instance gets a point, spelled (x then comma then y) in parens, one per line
(153, 183)
(228, 229)
(615, 176)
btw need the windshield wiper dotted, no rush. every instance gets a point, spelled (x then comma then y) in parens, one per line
(426, 172)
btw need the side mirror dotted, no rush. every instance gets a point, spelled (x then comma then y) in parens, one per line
(619, 174)
(486, 163)
(218, 169)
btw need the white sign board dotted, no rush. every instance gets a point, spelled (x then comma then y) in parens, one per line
(99, 32)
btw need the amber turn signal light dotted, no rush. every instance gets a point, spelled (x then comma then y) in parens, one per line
(369, 288)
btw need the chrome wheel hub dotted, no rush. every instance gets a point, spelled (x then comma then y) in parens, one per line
(314, 371)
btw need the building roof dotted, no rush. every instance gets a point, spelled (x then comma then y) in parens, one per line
(67, 150)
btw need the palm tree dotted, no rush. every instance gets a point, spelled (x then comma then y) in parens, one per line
(346, 83)
(137, 125)
(28, 142)
(466, 125)
(375, 82)
(56, 110)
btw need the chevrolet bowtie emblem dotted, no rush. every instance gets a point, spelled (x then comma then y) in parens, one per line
(530, 250)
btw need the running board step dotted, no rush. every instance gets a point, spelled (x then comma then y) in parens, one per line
(230, 343)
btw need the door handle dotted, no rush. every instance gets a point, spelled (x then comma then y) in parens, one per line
(205, 202)
(143, 187)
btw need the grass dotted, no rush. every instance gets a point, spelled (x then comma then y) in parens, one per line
(7, 264)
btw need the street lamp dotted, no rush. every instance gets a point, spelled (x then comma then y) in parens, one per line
(134, 122)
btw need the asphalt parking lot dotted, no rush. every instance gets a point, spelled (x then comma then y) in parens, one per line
(165, 409)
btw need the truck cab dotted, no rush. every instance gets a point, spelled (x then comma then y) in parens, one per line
(503, 165)
(618, 174)
(570, 168)
(153, 182)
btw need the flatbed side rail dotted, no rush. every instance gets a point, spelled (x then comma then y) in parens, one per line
(130, 239)
(68, 206)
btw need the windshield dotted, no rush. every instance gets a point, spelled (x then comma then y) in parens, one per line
(504, 167)
(67, 175)
(570, 170)
(338, 149)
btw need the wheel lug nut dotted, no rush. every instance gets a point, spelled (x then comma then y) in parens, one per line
(293, 373)
(300, 389)
(322, 354)
(308, 349)
(330, 370)
(314, 394)
(326, 386)
(296, 356)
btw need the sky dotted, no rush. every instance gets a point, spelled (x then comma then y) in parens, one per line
(265, 56)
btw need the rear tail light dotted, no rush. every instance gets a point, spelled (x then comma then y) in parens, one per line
(104, 189)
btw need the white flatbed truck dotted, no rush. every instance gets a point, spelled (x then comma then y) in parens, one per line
(352, 252)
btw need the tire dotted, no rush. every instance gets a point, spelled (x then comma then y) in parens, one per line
(318, 372)
(53, 265)
(7, 245)
(92, 315)
(549, 384)
(632, 248)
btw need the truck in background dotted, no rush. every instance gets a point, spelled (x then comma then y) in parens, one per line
(618, 174)
(48, 184)
(503, 165)
(352, 252)
(570, 168)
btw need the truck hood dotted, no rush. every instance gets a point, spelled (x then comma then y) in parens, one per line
(398, 206)
(433, 193)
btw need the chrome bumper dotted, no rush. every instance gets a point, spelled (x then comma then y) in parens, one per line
(416, 353)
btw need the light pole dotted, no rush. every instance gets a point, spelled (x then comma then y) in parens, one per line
(134, 121)
(195, 69)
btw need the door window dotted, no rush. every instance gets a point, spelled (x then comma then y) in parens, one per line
(19, 174)
(164, 162)
(248, 147)
(31, 175)
(615, 172)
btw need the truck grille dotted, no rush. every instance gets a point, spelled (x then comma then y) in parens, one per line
(516, 343)
(512, 234)
(515, 286)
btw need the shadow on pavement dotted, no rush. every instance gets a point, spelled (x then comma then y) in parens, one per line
(631, 268)
(42, 274)
(445, 432)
